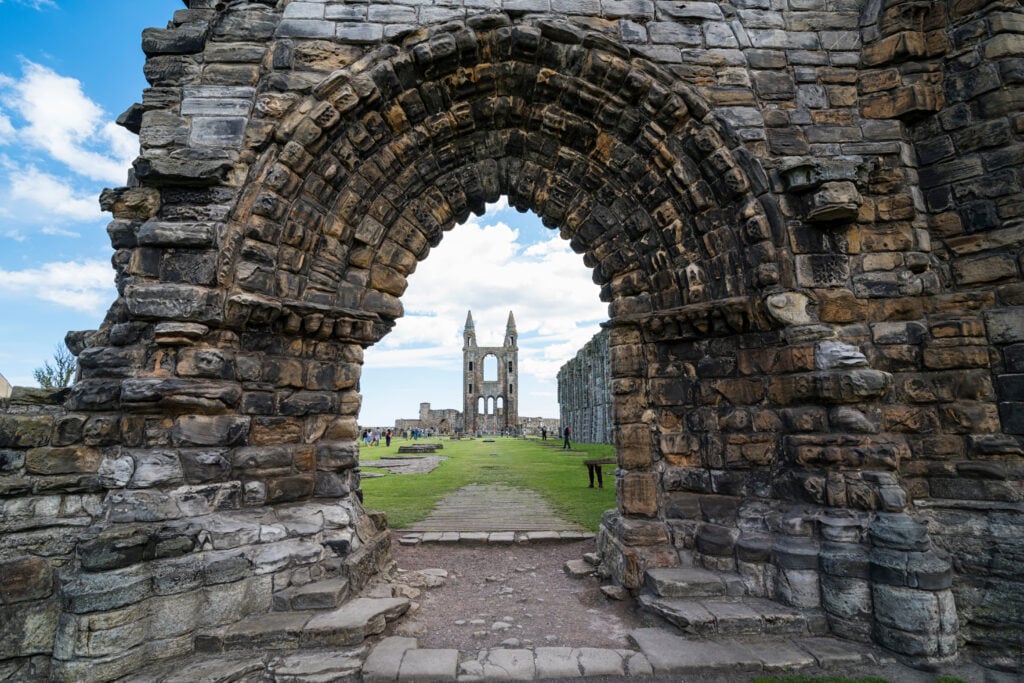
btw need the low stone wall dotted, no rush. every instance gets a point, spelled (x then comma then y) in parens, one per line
(101, 575)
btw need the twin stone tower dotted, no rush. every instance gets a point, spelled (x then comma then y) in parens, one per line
(489, 400)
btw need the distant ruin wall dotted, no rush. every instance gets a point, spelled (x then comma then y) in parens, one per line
(584, 392)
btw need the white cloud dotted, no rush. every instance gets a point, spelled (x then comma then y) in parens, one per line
(34, 4)
(59, 232)
(62, 121)
(487, 269)
(6, 129)
(55, 195)
(85, 286)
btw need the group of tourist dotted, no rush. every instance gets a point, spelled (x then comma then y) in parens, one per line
(371, 437)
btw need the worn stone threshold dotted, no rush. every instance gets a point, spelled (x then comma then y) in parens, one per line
(491, 537)
(659, 654)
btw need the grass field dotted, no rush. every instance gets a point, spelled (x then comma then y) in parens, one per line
(559, 476)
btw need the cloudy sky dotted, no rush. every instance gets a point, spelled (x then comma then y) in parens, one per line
(69, 67)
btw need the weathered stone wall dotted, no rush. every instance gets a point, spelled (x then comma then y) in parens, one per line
(441, 420)
(805, 217)
(584, 392)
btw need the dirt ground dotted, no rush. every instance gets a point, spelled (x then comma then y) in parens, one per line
(519, 596)
(496, 595)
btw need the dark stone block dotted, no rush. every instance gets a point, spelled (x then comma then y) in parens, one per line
(979, 216)
(331, 485)
(682, 506)
(308, 403)
(192, 267)
(114, 549)
(719, 509)
(795, 553)
(1010, 387)
(788, 141)
(717, 541)
(754, 548)
(203, 466)
(11, 460)
(847, 560)
(888, 566)
(24, 579)
(285, 489)
(175, 41)
(337, 456)
(226, 570)
(25, 431)
(259, 403)
(900, 532)
(928, 571)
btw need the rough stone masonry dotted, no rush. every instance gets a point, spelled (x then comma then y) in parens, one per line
(805, 217)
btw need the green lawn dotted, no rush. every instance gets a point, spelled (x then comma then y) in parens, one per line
(557, 475)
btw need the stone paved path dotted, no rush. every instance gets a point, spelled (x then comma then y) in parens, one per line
(491, 508)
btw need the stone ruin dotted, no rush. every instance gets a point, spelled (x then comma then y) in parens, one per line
(806, 219)
(584, 392)
(490, 404)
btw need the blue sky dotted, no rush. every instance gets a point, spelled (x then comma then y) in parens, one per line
(69, 67)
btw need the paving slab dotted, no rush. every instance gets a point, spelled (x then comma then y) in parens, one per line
(429, 665)
(831, 652)
(780, 656)
(637, 664)
(601, 662)
(778, 619)
(508, 665)
(669, 653)
(385, 659)
(557, 662)
(317, 667)
(495, 507)
(689, 615)
(502, 537)
(353, 622)
(734, 618)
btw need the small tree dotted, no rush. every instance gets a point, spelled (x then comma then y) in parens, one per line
(58, 375)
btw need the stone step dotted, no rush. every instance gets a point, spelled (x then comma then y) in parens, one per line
(690, 582)
(672, 654)
(248, 666)
(344, 626)
(326, 594)
(714, 617)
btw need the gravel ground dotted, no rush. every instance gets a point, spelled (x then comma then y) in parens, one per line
(496, 593)
(519, 596)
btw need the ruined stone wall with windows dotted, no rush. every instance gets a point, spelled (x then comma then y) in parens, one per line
(584, 392)
(805, 217)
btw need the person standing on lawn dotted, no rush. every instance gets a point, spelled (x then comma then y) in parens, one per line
(566, 433)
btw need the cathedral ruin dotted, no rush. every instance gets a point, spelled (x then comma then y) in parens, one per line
(807, 221)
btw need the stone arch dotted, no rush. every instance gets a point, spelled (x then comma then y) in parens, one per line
(814, 309)
(645, 192)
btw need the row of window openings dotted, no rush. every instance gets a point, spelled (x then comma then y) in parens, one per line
(494, 368)
(490, 406)
(471, 389)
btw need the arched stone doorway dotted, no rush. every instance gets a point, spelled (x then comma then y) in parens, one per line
(814, 360)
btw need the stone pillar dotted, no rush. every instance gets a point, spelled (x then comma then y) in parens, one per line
(845, 576)
(914, 610)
